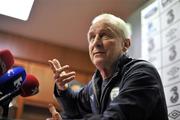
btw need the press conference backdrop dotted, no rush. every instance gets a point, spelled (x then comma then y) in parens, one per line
(161, 45)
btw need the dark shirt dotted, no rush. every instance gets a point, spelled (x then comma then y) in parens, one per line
(104, 83)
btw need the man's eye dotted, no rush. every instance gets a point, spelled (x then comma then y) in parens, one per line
(105, 36)
(91, 39)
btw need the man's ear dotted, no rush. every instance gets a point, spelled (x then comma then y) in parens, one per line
(127, 44)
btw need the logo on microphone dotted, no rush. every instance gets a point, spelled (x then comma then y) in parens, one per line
(18, 82)
(10, 72)
(35, 90)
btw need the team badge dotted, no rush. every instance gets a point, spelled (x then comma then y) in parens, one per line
(114, 93)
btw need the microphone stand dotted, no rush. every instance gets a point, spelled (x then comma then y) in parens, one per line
(5, 100)
(5, 107)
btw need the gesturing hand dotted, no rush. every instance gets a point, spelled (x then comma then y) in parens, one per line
(60, 76)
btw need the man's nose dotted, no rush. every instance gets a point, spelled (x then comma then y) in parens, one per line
(97, 41)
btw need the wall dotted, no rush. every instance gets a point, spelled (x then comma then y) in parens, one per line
(26, 48)
(135, 22)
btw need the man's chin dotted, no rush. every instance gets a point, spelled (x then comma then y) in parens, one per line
(99, 62)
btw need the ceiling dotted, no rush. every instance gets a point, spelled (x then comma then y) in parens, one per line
(66, 22)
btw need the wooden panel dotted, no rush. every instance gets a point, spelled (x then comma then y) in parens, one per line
(46, 83)
(35, 50)
(23, 63)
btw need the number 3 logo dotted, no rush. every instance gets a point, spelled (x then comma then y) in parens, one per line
(173, 53)
(171, 16)
(174, 98)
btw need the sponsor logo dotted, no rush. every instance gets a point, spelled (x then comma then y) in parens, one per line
(151, 12)
(173, 53)
(170, 16)
(164, 3)
(174, 114)
(175, 95)
(171, 35)
(173, 73)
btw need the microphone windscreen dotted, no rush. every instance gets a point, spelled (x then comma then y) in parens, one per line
(30, 86)
(6, 61)
(12, 79)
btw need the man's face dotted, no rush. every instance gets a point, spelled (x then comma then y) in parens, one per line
(105, 44)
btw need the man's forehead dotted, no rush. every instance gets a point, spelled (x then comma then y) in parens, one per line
(100, 26)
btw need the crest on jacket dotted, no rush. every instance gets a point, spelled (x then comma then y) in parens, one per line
(114, 93)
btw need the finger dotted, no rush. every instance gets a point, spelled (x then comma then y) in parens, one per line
(62, 69)
(51, 108)
(60, 72)
(57, 64)
(64, 76)
(51, 64)
(65, 81)
(53, 111)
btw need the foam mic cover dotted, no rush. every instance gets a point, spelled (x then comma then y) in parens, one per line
(12, 80)
(30, 86)
(6, 61)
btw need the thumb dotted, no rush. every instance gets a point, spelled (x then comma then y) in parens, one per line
(54, 113)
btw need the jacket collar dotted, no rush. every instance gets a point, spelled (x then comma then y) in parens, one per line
(121, 61)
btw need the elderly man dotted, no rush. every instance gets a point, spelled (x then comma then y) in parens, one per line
(121, 88)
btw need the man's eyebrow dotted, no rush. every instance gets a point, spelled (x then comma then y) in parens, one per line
(108, 29)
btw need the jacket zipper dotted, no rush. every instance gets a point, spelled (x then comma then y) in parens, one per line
(98, 104)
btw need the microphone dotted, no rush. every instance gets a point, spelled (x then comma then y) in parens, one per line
(6, 61)
(29, 87)
(12, 80)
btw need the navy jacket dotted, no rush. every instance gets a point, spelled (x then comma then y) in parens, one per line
(134, 92)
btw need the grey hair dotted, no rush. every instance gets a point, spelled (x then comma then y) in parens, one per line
(120, 24)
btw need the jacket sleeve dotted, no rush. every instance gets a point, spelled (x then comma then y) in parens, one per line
(74, 104)
(139, 94)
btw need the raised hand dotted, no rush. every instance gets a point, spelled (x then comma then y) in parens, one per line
(60, 76)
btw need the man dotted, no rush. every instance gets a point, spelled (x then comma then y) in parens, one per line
(121, 88)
